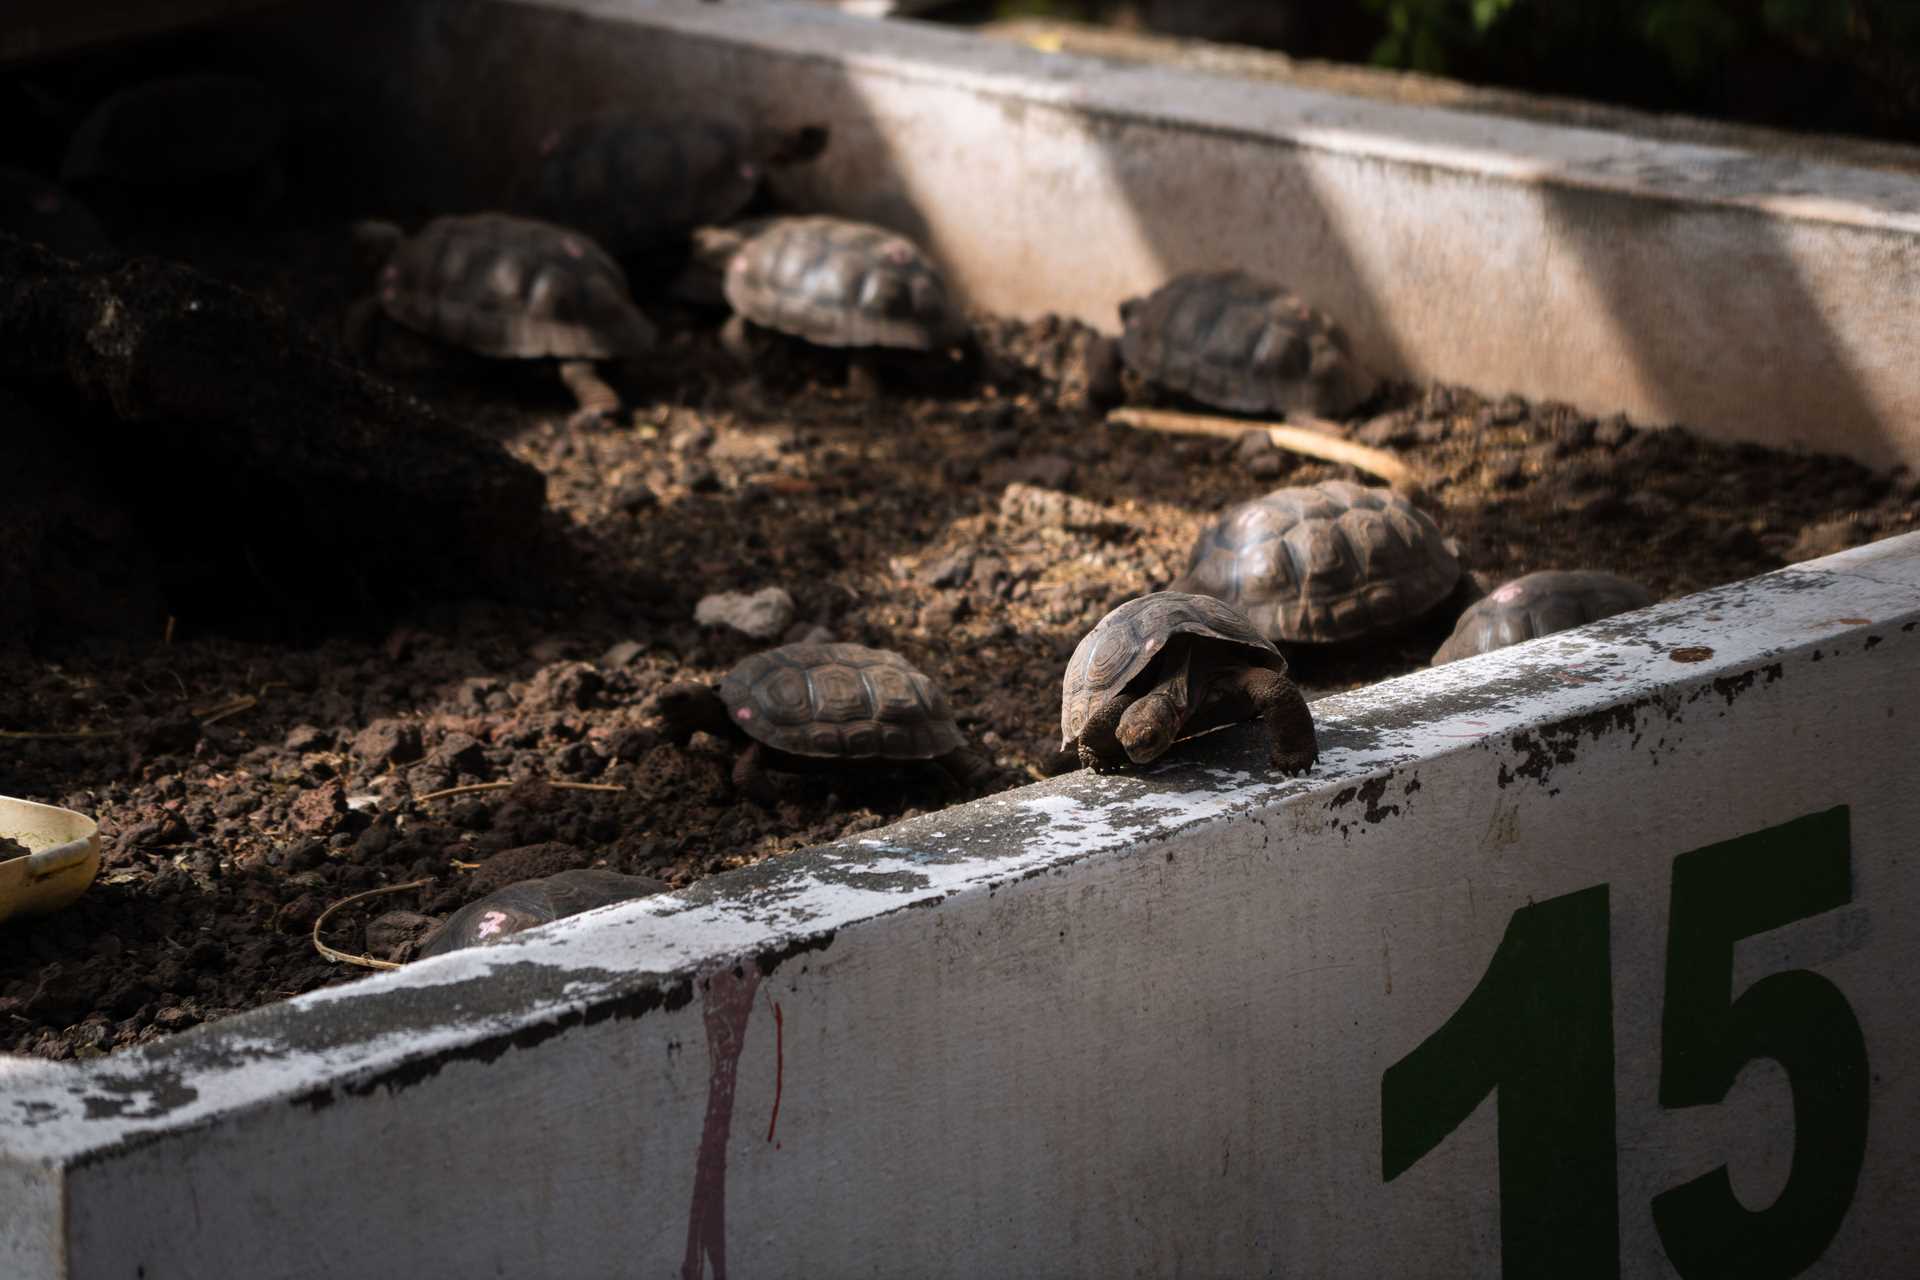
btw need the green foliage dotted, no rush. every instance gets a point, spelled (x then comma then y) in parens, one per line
(1420, 33)
(1849, 64)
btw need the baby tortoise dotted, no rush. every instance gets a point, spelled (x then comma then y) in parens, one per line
(640, 186)
(1324, 563)
(1230, 340)
(802, 707)
(833, 282)
(526, 903)
(40, 212)
(510, 288)
(1170, 665)
(1540, 604)
(194, 134)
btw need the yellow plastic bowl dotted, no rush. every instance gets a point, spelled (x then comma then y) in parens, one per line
(64, 859)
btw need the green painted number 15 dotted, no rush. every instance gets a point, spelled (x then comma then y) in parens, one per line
(1539, 1029)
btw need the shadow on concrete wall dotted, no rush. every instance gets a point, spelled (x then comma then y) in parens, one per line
(1759, 322)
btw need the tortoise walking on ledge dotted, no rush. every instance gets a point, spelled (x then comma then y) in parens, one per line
(1170, 665)
(510, 288)
(802, 707)
(1236, 342)
(1323, 563)
(1540, 604)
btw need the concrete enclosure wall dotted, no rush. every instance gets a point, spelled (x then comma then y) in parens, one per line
(1589, 957)
(1751, 294)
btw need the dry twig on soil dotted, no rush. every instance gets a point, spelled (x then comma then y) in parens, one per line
(472, 788)
(343, 957)
(1324, 443)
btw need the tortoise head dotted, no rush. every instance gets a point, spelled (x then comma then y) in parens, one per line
(374, 241)
(714, 247)
(689, 708)
(1149, 726)
(1128, 307)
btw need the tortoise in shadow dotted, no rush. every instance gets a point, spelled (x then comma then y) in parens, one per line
(1231, 340)
(508, 288)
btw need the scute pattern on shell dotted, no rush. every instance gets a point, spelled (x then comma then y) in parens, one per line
(1323, 563)
(1539, 604)
(1230, 340)
(1123, 645)
(513, 287)
(636, 184)
(840, 700)
(841, 284)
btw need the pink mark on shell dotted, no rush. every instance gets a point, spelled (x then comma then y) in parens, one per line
(46, 202)
(491, 923)
(898, 253)
(549, 142)
(1511, 592)
(572, 247)
(750, 172)
(744, 713)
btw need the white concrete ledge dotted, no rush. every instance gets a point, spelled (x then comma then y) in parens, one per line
(1126, 1025)
(1749, 293)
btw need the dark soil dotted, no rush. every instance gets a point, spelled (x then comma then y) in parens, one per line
(243, 785)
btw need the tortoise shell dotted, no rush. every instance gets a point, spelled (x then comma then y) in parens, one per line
(844, 701)
(1122, 646)
(513, 287)
(178, 130)
(1323, 563)
(1236, 342)
(841, 284)
(42, 213)
(526, 903)
(636, 184)
(1540, 604)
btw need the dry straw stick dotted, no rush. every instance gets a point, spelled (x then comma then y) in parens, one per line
(474, 788)
(342, 957)
(1323, 443)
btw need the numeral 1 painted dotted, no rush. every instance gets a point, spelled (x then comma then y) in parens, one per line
(1538, 1031)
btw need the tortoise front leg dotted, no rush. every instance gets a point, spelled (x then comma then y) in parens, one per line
(1291, 744)
(597, 401)
(1099, 748)
(750, 777)
(736, 339)
(964, 770)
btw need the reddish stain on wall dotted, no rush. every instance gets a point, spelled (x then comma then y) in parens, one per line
(726, 1004)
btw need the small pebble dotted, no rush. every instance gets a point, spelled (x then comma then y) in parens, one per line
(762, 615)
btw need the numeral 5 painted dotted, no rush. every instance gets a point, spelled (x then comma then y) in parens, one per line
(1538, 1028)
